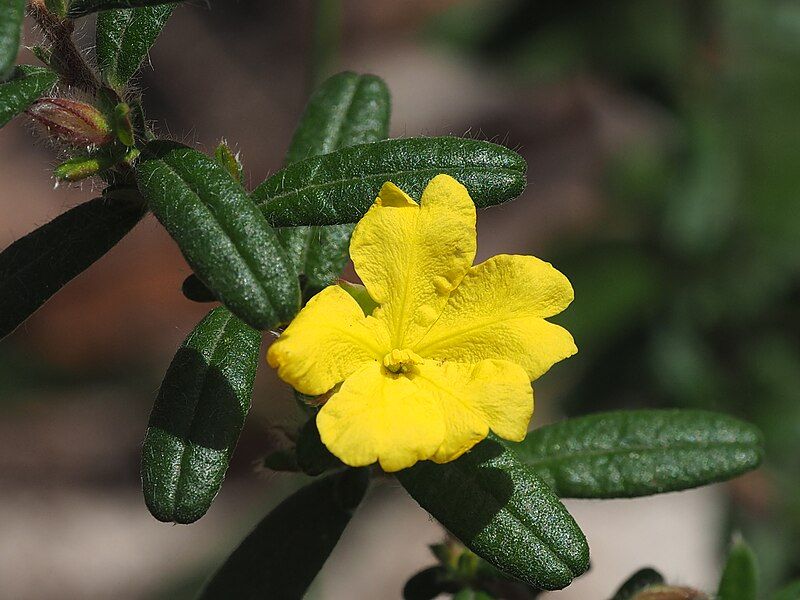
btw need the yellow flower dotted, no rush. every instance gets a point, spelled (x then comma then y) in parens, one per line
(450, 349)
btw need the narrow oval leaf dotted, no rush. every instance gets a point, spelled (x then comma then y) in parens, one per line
(81, 8)
(12, 12)
(739, 579)
(198, 416)
(339, 187)
(640, 580)
(312, 455)
(502, 511)
(347, 109)
(26, 85)
(640, 452)
(222, 234)
(35, 267)
(286, 550)
(124, 37)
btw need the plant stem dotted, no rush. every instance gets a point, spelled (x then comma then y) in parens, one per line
(69, 62)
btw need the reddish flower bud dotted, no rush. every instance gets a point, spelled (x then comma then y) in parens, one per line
(72, 122)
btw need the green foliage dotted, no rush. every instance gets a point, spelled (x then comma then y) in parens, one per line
(36, 266)
(26, 85)
(81, 8)
(339, 187)
(283, 554)
(739, 579)
(223, 236)
(198, 416)
(312, 455)
(487, 498)
(640, 580)
(635, 453)
(347, 109)
(790, 592)
(11, 15)
(124, 37)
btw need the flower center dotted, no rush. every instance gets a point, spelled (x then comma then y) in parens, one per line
(401, 361)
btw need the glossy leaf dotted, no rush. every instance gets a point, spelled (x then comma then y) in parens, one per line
(739, 579)
(222, 234)
(26, 85)
(124, 37)
(339, 187)
(502, 511)
(36, 266)
(635, 453)
(347, 109)
(640, 580)
(81, 8)
(12, 12)
(286, 550)
(198, 416)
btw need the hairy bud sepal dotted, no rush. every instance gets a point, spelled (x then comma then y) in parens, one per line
(72, 122)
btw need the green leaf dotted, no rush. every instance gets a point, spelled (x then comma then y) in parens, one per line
(196, 291)
(36, 266)
(347, 109)
(198, 416)
(312, 455)
(339, 187)
(222, 234)
(12, 12)
(286, 550)
(739, 579)
(124, 37)
(640, 580)
(428, 584)
(26, 85)
(635, 453)
(81, 8)
(501, 510)
(790, 592)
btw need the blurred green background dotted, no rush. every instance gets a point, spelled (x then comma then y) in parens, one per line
(663, 138)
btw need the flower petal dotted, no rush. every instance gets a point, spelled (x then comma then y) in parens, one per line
(379, 416)
(498, 311)
(492, 394)
(326, 342)
(411, 256)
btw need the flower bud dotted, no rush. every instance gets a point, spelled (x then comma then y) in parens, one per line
(669, 592)
(72, 122)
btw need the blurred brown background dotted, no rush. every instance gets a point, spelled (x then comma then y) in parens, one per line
(77, 381)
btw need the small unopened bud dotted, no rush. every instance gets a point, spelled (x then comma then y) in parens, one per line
(669, 592)
(72, 122)
(122, 124)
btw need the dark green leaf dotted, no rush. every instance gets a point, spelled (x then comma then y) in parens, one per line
(635, 453)
(347, 109)
(25, 86)
(790, 592)
(470, 594)
(222, 234)
(428, 584)
(12, 12)
(35, 267)
(124, 37)
(339, 187)
(286, 550)
(312, 455)
(640, 580)
(196, 291)
(739, 579)
(198, 416)
(81, 8)
(502, 511)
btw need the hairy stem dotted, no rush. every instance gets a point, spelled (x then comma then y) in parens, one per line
(67, 59)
